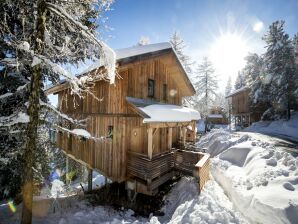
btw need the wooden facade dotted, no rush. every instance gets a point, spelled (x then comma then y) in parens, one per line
(239, 102)
(119, 135)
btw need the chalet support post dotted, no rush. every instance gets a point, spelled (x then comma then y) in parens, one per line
(183, 135)
(90, 179)
(170, 138)
(106, 180)
(194, 131)
(249, 120)
(150, 141)
(67, 179)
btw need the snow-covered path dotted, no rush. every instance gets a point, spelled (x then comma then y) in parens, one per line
(279, 141)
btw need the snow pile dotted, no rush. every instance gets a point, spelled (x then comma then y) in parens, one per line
(279, 127)
(260, 179)
(169, 113)
(57, 188)
(184, 205)
(81, 132)
(218, 140)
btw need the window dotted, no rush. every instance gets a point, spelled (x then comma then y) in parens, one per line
(110, 131)
(150, 88)
(165, 92)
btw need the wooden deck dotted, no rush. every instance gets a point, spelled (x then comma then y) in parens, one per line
(148, 175)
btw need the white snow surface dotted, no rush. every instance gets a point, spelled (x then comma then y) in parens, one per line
(215, 116)
(81, 132)
(279, 127)
(182, 205)
(169, 113)
(260, 179)
(139, 50)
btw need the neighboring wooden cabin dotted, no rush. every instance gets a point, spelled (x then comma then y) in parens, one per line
(239, 102)
(140, 118)
(217, 116)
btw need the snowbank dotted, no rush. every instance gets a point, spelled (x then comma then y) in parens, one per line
(184, 205)
(279, 127)
(260, 179)
(218, 140)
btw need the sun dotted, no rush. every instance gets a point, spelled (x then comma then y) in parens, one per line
(227, 54)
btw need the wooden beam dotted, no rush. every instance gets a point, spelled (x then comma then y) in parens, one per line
(183, 135)
(67, 171)
(89, 179)
(194, 131)
(170, 136)
(150, 141)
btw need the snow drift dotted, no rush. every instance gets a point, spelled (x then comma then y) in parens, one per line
(260, 179)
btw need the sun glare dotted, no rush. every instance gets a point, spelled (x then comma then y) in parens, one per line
(228, 53)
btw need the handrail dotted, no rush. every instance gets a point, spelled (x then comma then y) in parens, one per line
(202, 161)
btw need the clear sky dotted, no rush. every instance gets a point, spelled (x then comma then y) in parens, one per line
(208, 27)
(222, 30)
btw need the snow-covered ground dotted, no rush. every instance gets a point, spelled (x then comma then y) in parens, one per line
(259, 178)
(182, 205)
(253, 180)
(279, 127)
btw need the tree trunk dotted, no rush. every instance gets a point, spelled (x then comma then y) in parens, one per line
(33, 113)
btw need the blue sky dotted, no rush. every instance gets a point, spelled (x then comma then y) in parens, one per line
(199, 22)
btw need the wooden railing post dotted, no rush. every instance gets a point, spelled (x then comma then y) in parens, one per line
(170, 136)
(194, 131)
(89, 179)
(183, 135)
(150, 139)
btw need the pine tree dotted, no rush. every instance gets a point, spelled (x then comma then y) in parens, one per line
(206, 86)
(228, 89)
(279, 59)
(143, 41)
(240, 80)
(34, 49)
(179, 47)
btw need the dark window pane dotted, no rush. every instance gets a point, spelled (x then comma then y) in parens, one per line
(165, 92)
(150, 88)
(110, 131)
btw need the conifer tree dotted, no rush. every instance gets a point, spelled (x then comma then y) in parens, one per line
(240, 80)
(179, 47)
(206, 86)
(34, 49)
(228, 89)
(279, 59)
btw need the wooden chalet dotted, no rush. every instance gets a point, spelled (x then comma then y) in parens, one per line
(139, 128)
(217, 116)
(239, 102)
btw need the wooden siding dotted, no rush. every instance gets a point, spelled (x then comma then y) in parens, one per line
(109, 156)
(240, 103)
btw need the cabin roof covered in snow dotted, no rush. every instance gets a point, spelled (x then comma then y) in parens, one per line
(127, 55)
(215, 116)
(238, 91)
(153, 111)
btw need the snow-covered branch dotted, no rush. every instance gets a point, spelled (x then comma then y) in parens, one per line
(108, 57)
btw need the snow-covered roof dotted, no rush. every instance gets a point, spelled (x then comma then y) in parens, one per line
(215, 116)
(153, 111)
(128, 53)
(139, 50)
(244, 88)
(169, 113)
